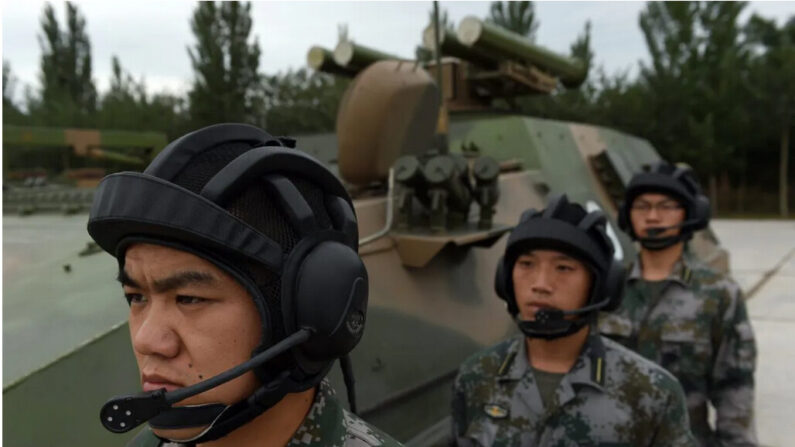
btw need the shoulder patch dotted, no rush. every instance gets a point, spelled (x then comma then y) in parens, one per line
(495, 411)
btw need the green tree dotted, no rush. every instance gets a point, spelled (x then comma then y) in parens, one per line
(695, 80)
(121, 105)
(127, 105)
(227, 83)
(299, 102)
(11, 113)
(772, 75)
(518, 17)
(68, 95)
(581, 47)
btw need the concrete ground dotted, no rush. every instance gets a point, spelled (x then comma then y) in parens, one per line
(763, 263)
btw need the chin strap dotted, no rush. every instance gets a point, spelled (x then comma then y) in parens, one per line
(230, 417)
(188, 416)
(660, 243)
(551, 324)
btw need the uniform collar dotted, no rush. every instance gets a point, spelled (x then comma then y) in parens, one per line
(680, 274)
(589, 369)
(325, 417)
(516, 365)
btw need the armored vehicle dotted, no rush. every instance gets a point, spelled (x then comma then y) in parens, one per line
(437, 175)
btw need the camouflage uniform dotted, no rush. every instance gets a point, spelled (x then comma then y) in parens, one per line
(628, 401)
(328, 424)
(698, 330)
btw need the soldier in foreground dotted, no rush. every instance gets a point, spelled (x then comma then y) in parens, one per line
(224, 245)
(559, 382)
(682, 314)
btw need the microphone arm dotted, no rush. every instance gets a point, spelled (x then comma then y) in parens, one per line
(123, 413)
(656, 231)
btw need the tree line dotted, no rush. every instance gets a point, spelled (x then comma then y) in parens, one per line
(718, 92)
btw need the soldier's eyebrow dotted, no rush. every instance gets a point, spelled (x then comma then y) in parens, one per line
(125, 279)
(182, 279)
(564, 257)
(655, 202)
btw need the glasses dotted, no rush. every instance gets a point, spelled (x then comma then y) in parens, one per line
(666, 207)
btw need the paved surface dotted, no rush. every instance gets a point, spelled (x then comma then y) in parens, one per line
(763, 262)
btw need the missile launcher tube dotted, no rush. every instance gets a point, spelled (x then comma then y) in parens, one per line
(357, 57)
(322, 59)
(451, 46)
(487, 37)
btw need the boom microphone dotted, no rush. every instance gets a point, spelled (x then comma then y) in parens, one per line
(123, 413)
(656, 231)
(551, 315)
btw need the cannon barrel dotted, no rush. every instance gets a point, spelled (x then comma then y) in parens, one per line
(451, 46)
(487, 37)
(322, 59)
(357, 57)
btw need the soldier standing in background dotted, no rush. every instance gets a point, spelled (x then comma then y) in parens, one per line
(560, 382)
(682, 314)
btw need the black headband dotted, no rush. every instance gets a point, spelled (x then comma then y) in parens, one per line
(130, 203)
(660, 183)
(558, 234)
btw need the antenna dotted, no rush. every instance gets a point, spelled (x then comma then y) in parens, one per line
(441, 129)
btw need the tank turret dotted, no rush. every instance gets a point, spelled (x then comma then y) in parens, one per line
(390, 109)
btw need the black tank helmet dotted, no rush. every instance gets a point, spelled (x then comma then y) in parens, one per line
(678, 182)
(273, 218)
(568, 228)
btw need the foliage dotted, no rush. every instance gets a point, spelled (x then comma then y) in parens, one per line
(518, 17)
(772, 72)
(300, 102)
(581, 48)
(227, 82)
(128, 106)
(68, 96)
(696, 77)
(716, 93)
(11, 113)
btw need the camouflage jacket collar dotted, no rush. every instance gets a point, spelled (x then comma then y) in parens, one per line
(680, 274)
(325, 420)
(588, 370)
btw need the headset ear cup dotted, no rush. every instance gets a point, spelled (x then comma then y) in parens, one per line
(614, 286)
(331, 299)
(503, 286)
(702, 211)
(499, 280)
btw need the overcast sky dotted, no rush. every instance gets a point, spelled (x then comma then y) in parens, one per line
(151, 37)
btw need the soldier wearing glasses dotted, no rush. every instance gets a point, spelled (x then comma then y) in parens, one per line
(681, 313)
